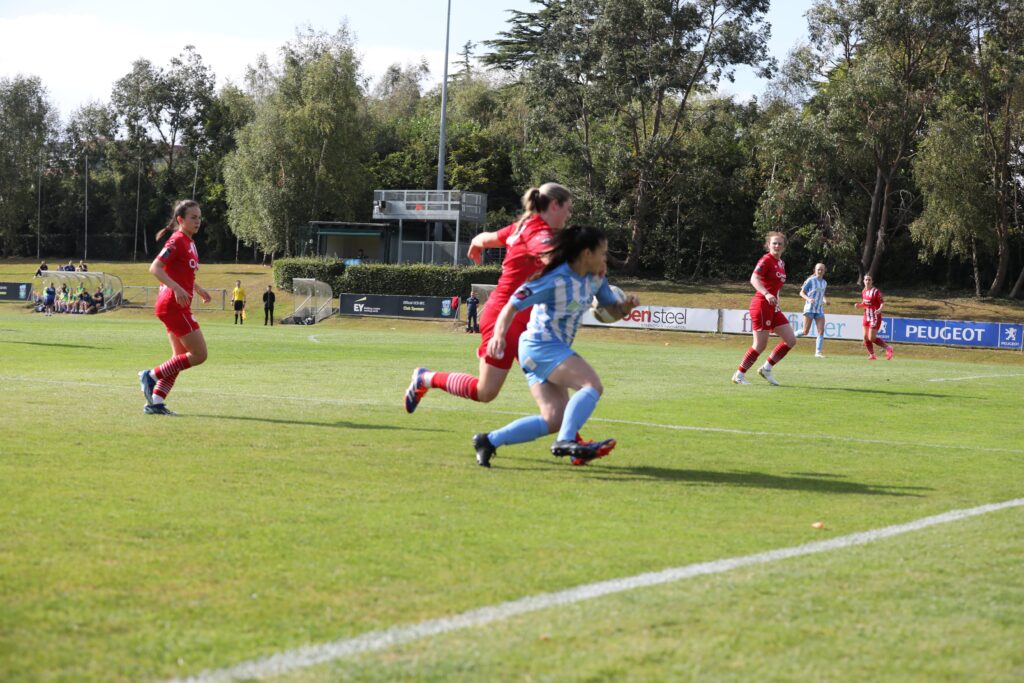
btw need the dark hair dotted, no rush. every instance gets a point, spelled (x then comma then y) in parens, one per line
(567, 244)
(180, 209)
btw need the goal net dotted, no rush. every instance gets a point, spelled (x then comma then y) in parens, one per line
(314, 301)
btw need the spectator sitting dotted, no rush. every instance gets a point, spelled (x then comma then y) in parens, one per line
(86, 304)
(42, 269)
(98, 299)
(83, 267)
(70, 267)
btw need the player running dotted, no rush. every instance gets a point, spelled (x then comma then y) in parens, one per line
(559, 297)
(813, 294)
(546, 210)
(175, 267)
(765, 314)
(871, 302)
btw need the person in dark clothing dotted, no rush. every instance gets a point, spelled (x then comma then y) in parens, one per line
(42, 269)
(268, 305)
(471, 303)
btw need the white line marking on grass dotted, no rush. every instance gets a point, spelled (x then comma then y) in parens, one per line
(454, 408)
(964, 379)
(313, 338)
(375, 641)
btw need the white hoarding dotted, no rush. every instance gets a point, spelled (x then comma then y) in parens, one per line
(664, 318)
(836, 326)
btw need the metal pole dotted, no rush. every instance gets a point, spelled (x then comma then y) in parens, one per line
(85, 255)
(39, 210)
(441, 144)
(138, 187)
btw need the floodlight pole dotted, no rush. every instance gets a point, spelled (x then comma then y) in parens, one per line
(85, 255)
(39, 209)
(441, 145)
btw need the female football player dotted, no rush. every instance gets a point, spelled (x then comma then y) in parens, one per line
(765, 314)
(545, 212)
(559, 298)
(871, 302)
(175, 267)
(813, 294)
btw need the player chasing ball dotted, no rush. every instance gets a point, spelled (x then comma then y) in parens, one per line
(765, 314)
(561, 295)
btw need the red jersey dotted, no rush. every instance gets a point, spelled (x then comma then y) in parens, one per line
(871, 301)
(524, 246)
(181, 261)
(772, 272)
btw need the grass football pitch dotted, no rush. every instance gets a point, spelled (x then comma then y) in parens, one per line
(293, 502)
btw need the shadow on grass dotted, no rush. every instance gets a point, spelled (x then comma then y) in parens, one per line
(331, 425)
(881, 392)
(63, 346)
(817, 482)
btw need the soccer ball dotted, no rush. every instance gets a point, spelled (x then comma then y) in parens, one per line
(603, 314)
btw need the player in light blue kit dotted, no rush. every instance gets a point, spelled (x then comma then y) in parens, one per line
(813, 294)
(560, 296)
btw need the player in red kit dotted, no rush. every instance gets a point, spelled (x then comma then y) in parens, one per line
(175, 267)
(871, 302)
(765, 314)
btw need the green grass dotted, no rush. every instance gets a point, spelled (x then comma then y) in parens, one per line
(293, 502)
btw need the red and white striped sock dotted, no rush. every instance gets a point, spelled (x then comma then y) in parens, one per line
(172, 367)
(881, 342)
(456, 384)
(749, 359)
(870, 347)
(163, 387)
(778, 353)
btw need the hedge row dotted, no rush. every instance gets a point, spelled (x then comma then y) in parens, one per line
(419, 279)
(327, 270)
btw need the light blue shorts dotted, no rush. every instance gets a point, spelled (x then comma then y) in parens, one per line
(539, 359)
(814, 316)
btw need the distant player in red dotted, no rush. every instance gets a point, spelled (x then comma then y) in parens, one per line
(545, 211)
(765, 314)
(871, 302)
(175, 267)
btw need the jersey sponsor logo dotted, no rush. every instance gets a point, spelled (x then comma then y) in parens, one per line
(193, 264)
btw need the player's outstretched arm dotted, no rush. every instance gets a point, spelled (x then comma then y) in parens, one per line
(625, 307)
(485, 240)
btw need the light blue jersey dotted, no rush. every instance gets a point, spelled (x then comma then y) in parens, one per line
(814, 287)
(559, 300)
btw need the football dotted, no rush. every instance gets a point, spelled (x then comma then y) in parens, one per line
(604, 315)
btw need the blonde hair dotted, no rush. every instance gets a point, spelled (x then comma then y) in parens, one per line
(180, 209)
(538, 199)
(769, 236)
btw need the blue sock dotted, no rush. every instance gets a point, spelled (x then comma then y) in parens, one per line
(577, 412)
(522, 430)
(818, 343)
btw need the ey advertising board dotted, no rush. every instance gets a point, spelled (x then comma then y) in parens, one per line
(398, 306)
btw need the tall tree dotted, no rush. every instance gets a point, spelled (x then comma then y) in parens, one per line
(302, 157)
(625, 72)
(27, 128)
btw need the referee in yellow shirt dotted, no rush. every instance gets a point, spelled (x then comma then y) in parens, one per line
(238, 299)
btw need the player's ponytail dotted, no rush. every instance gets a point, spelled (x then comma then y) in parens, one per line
(568, 244)
(538, 199)
(180, 209)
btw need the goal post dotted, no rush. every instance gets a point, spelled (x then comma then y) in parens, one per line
(314, 301)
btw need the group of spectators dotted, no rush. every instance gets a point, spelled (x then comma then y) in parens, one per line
(63, 300)
(82, 267)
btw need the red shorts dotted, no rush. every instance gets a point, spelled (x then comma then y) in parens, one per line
(875, 324)
(765, 316)
(515, 330)
(178, 320)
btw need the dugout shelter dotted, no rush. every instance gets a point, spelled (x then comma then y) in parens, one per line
(113, 288)
(314, 301)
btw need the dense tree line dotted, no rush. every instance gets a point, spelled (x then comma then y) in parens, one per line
(891, 143)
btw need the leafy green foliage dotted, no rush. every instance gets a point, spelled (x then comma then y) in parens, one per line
(418, 279)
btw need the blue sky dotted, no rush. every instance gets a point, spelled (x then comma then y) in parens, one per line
(80, 48)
